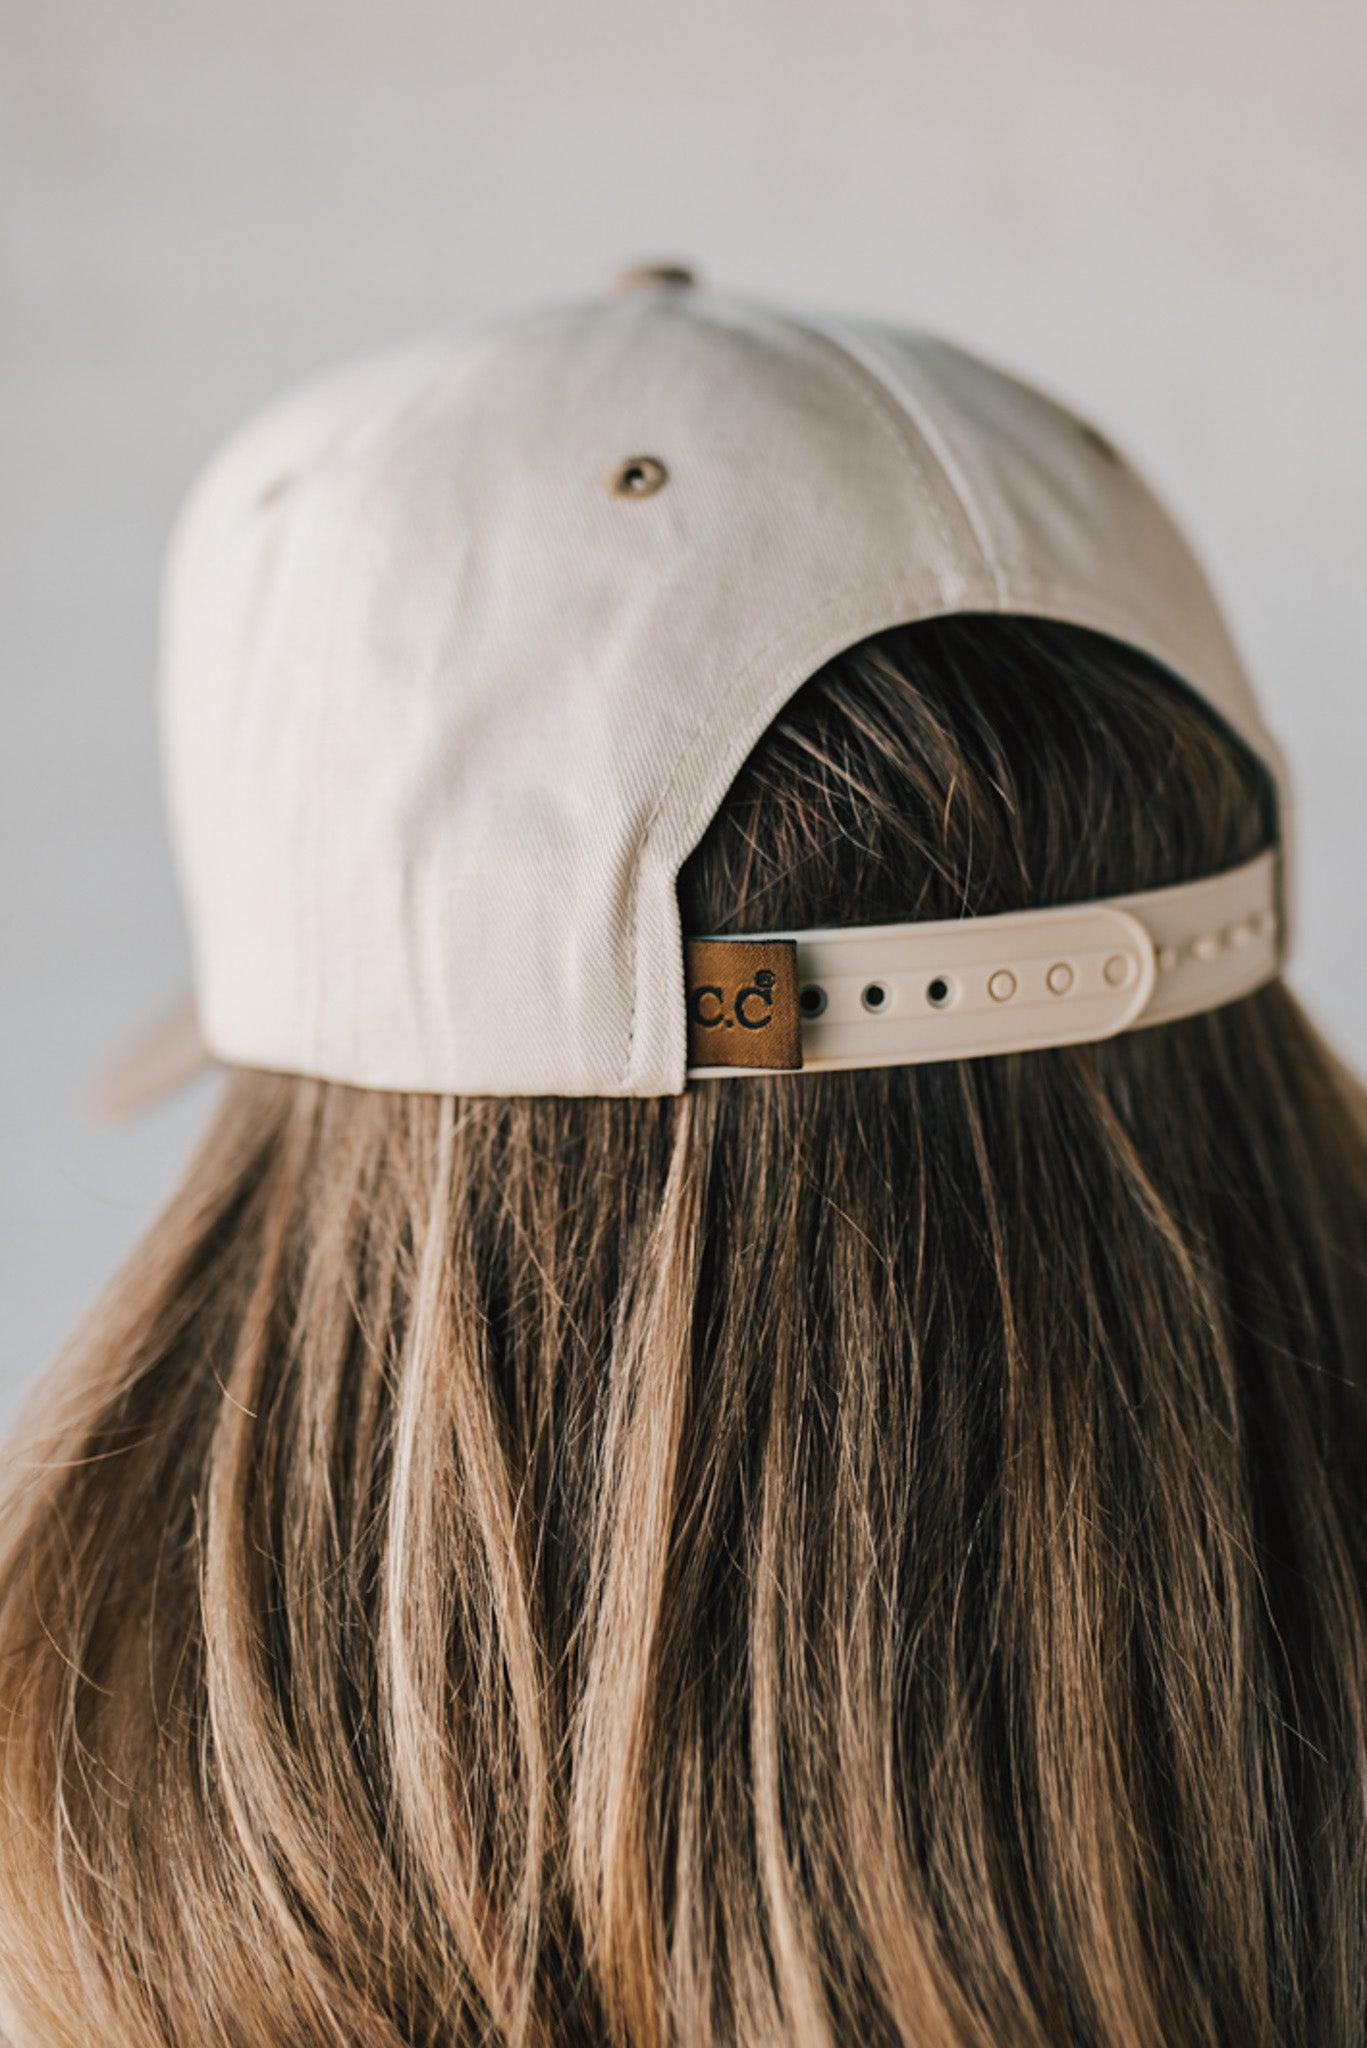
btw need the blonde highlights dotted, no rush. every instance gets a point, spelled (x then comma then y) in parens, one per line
(867, 1557)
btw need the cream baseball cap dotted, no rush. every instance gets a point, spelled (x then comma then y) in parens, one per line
(463, 646)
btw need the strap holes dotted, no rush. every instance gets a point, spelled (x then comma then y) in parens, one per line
(812, 1000)
(939, 992)
(874, 996)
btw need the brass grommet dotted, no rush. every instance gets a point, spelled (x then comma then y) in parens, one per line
(640, 476)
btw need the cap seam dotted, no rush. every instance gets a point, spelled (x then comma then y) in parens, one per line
(844, 343)
(877, 399)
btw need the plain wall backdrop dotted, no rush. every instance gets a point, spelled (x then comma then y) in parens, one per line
(1157, 209)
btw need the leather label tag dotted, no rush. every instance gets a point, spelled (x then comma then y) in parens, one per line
(742, 1003)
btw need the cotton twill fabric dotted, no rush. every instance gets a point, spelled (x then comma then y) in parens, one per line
(444, 713)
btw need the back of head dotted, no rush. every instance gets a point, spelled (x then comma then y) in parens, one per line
(854, 1556)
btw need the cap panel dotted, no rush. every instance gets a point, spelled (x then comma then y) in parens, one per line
(459, 710)
(1073, 530)
(255, 554)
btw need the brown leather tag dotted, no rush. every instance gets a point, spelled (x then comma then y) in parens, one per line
(742, 1003)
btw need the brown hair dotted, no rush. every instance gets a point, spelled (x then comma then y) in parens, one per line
(869, 1557)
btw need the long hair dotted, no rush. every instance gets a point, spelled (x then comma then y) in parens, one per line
(863, 1558)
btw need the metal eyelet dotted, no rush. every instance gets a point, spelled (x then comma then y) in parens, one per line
(640, 476)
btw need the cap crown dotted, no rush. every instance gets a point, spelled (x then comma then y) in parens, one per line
(450, 691)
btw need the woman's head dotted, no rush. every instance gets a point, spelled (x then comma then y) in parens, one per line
(855, 1556)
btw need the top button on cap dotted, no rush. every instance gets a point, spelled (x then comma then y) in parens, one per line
(641, 276)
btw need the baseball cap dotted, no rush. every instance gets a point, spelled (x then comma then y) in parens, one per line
(463, 647)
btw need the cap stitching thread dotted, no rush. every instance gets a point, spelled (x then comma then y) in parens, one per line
(897, 383)
(894, 421)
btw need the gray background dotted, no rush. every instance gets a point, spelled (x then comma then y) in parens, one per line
(1160, 210)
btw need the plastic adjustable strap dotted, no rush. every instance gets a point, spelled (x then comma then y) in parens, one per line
(894, 995)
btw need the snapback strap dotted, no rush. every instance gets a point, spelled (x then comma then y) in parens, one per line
(904, 994)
